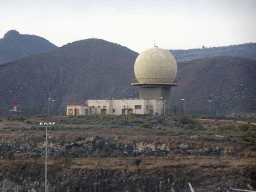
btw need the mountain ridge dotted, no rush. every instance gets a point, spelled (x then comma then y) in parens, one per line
(247, 50)
(14, 46)
(70, 74)
(229, 82)
(98, 69)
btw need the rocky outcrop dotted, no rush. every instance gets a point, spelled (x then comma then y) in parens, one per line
(30, 177)
(108, 147)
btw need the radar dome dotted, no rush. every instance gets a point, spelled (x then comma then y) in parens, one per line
(155, 66)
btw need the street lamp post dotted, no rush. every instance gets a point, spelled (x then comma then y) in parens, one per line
(52, 107)
(164, 103)
(49, 105)
(46, 124)
(210, 104)
(162, 107)
(183, 105)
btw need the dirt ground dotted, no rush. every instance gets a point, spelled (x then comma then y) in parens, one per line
(187, 161)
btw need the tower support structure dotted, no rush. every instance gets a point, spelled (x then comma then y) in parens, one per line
(157, 92)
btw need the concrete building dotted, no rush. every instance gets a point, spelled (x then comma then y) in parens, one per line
(77, 110)
(126, 106)
(155, 70)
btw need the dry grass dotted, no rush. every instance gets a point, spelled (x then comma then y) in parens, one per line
(128, 163)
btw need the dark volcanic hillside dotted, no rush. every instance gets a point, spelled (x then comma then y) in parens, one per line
(230, 82)
(76, 72)
(243, 50)
(15, 46)
(97, 69)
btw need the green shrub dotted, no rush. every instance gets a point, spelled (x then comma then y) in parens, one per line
(132, 120)
(252, 148)
(190, 126)
(194, 126)
(9, 155)
(239, 135)
(199, 126)
(248, 137)
(226, 128)
(191, 132)
(146, 124)
(107, 117)
(106, 149)
(250, 140)
(65, 160)
(252, 128)
(158, 132)
(177, 132)
(24, 129)
(183, 119)
(160, 120)
(83, 116)
(243, 127)
(206, 133)
(137, 162)
(220, 117)
(36, 156)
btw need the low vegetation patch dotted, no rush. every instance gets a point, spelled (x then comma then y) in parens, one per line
(106, 149)
(146, 124)
(247, 134)
(137, 162)
(176, 132)
(36, 156)
(132, 120)
(226, 129)
(161, 119)
(184, 119)
(158, 132)
(9, 155)
(190, 123)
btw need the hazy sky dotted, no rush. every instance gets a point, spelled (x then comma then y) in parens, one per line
(173, 24)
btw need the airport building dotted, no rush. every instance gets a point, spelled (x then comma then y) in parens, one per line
(155, 70)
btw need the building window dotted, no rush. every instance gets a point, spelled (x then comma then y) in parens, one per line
(104, 107)
(137, 106)
(113, 110)
(70, 111)
(98, 106)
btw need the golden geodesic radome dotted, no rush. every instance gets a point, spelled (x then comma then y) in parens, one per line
(155, 65)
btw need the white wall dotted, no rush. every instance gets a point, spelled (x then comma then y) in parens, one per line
(118, 105)
(97, 105)
(73, 107)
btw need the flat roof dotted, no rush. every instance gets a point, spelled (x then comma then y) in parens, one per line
(77, 105)
(155, 84)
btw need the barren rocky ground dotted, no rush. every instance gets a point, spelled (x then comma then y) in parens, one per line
(127, 153)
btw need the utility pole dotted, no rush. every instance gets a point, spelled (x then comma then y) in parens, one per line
(49, 105)
(183, 105)
(210, 104)
(46, 124)
(52, 108)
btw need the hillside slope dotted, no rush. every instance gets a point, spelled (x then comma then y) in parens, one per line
(15, 46)
(88, 69)
(243, 50)
(97, 69)
(229, 82)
